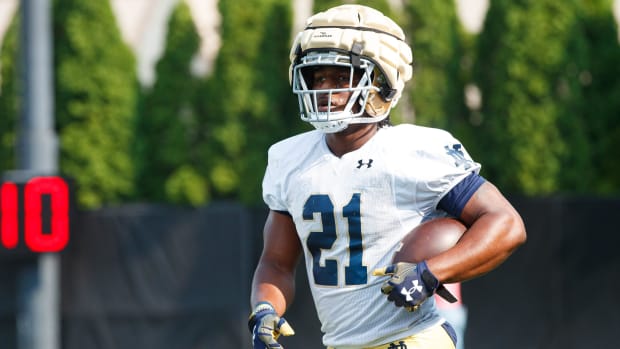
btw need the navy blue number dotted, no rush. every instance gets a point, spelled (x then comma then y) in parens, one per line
(317, 240)
(355, 272)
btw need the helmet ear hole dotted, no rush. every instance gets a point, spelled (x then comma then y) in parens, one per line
(385, 91)
(377, 105)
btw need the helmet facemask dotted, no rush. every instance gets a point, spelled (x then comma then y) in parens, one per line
(355, 110)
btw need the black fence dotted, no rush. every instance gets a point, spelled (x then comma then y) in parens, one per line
(146, 276)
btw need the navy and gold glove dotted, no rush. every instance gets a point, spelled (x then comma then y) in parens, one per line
(266, 326)
(409, 285)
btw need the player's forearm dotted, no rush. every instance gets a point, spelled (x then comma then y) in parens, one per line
(273, 285)
(487, 244)
(505, 233)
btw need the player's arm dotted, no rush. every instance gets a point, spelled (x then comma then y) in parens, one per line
(274, 278)
(273, 286)
(495, 231)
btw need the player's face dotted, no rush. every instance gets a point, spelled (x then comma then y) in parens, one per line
(331, 77)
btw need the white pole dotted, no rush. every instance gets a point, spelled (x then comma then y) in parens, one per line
(38, 299)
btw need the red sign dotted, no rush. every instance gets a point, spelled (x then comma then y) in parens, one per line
(35, 213)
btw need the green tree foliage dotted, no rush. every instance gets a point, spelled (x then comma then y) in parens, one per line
(248, 103)
(529, 57)
(547, 71)
(381, 5)
(279, 117)
(9, 101)
(436, 88)
(167, 128)
(96, 92)
(601, 110)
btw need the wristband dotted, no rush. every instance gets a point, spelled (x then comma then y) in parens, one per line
(260, 307)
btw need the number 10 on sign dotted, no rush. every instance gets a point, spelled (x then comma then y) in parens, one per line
(38, 210)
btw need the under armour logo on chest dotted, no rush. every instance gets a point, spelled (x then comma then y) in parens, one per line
(400, 345)
(362, 163)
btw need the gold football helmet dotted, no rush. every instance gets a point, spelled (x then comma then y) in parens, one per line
(362, 39)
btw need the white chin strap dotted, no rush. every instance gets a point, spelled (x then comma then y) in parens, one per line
(340, 125)
(330, 126)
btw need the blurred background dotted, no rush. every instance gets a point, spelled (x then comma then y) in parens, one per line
(158, 116)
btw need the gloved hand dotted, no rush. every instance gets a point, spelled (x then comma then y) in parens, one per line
(266, 326)
(409, 285)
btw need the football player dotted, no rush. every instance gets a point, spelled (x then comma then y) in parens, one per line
(344, 195)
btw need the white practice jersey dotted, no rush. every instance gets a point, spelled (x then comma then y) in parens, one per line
(351, 213)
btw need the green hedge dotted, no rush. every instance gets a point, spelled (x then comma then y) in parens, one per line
(528, 60)
(96, 93)
(248, 103)
(9, 100)
(167, 141)
(381, 5)
(436, 87)
(601, 108)
(547, 70)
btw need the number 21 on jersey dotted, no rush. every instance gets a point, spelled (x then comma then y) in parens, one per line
(354, 272)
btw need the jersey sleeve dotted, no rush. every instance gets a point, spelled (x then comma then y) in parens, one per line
(457, 197)
(272, 182)
(446, 164)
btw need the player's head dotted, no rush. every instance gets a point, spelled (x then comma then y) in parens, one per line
(362, 41)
